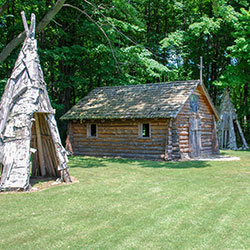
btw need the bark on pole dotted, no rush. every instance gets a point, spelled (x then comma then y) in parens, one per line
(1, 151)
(25, 25)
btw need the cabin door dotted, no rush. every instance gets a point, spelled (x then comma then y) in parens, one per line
(195, 137)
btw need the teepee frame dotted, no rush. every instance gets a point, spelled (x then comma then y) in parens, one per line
(229, 125)
(28, 127)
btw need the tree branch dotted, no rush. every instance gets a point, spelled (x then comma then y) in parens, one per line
(101, 29)
(118, 31)
(42, 24)
(11, 46)
(50, 15)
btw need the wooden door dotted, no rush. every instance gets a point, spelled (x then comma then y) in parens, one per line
(195, 137)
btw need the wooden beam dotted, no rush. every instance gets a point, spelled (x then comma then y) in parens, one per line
(232, 137)
(215, 138)
(241, 135)
(39, 146)
(168, 145)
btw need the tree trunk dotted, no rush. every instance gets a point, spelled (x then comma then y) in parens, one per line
(148, 16)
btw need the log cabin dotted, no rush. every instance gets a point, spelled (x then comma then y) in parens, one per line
(170, 121)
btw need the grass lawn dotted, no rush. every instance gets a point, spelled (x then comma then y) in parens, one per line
(134, 204)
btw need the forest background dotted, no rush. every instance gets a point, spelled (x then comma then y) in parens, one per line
(95, 43)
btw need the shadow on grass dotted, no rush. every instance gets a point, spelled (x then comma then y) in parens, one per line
(86, 162)
(223, 153)
(92, 162)
(176, 165)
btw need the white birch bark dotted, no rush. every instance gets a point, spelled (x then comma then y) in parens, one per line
(25, 95)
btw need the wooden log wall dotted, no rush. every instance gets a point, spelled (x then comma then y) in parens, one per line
(208, 144)
(119, 138)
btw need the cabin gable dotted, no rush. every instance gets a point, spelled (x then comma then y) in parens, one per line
(196, 126)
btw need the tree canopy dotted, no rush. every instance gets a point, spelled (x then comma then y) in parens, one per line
(95, 43)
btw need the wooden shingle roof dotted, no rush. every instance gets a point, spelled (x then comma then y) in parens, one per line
(158, 100)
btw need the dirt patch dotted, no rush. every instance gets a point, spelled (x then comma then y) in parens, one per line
(41, 183)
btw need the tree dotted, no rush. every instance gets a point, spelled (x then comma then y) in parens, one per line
(236, 75)
(97, 43)
(20, 38)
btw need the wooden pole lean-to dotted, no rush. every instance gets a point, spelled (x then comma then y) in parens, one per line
(228, 126)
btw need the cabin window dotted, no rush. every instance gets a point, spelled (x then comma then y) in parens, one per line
(144, 130)
(92, 130)
(194, 103)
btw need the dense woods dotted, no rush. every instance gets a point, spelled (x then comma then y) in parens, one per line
(96, 43)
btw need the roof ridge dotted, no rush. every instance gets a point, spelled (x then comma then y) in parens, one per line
(145, 84)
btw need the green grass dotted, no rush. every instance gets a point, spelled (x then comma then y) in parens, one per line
(134, 204)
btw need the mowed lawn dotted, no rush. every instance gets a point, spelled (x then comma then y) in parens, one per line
(134, 204)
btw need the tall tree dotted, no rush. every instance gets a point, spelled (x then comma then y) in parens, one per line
(94, 43)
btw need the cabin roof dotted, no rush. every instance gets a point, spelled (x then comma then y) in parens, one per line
(157, 100)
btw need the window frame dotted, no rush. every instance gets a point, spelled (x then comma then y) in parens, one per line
(197, 102)
(89, 130)
(140, 130)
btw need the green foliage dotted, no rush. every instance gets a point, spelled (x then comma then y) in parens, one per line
(119, 42)
(2, 84)
(236, 75)
(174, 40)
(206, 26)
